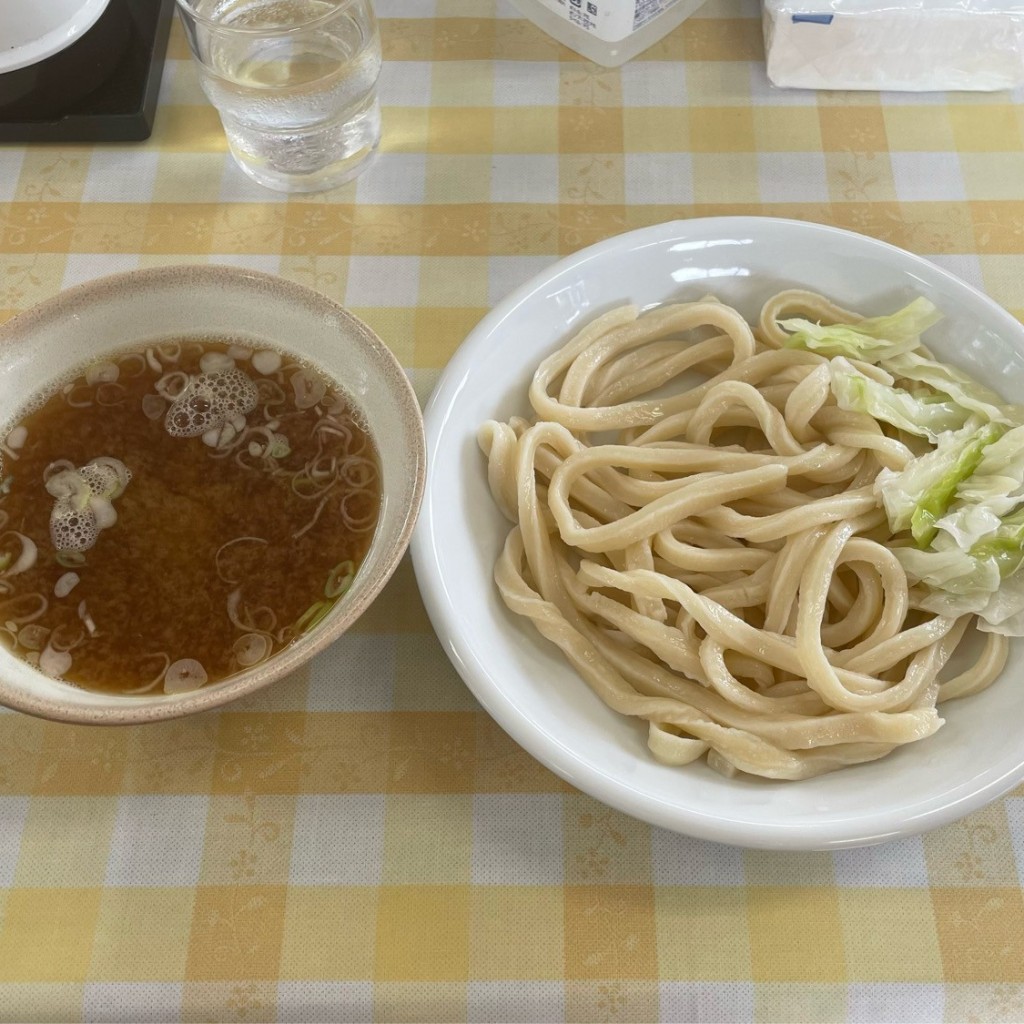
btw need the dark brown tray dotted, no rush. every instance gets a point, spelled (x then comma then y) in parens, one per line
(103, 88)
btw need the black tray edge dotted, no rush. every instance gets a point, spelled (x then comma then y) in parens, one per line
(128, 126)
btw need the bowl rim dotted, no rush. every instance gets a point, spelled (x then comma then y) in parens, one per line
(533, 735)
(121, 710)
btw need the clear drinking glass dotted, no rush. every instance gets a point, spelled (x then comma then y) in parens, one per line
(295, 84)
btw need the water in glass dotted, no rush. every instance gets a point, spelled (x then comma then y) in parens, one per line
(299, 106)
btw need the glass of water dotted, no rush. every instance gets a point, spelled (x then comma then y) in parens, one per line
(295, 84)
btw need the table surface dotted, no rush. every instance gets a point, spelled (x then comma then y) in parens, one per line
(361, 841)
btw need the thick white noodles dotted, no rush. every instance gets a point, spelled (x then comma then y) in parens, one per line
(711, 557)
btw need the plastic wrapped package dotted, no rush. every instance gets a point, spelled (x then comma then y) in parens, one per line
(917, 46)
(609, 32)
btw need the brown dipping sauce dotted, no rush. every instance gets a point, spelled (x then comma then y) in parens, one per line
(193, 506)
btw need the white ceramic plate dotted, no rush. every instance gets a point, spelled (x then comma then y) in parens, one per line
(522, 679)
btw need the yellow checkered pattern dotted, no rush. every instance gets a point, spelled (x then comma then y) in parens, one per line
(361, 842)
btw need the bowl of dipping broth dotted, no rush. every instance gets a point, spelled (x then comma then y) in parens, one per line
(207, 475)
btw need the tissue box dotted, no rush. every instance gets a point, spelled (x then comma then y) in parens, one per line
(870, 44)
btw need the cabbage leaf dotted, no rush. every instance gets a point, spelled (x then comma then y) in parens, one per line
(926, 415)
(869, 340)
(919, 496)
(948, 380)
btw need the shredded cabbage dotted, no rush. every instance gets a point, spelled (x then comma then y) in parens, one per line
(983, 580)
(960, 583)
(868, 340)
(997, 485)
(927, 415)
(918, 496)
(963, 389)
(962, 501)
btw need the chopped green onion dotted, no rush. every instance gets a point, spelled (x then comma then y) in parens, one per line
(340, 579)
(313, 616)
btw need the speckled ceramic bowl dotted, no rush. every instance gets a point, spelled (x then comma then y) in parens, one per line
(130, 309)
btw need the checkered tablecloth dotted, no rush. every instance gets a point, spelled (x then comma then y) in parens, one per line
(361, 841)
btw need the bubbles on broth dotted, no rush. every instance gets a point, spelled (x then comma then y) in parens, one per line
(210, 402)
(84, 500)
(190, 508)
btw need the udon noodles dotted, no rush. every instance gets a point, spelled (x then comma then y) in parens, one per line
(696, 529)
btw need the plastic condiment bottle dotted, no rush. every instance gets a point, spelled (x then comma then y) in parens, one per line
(608, 32)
